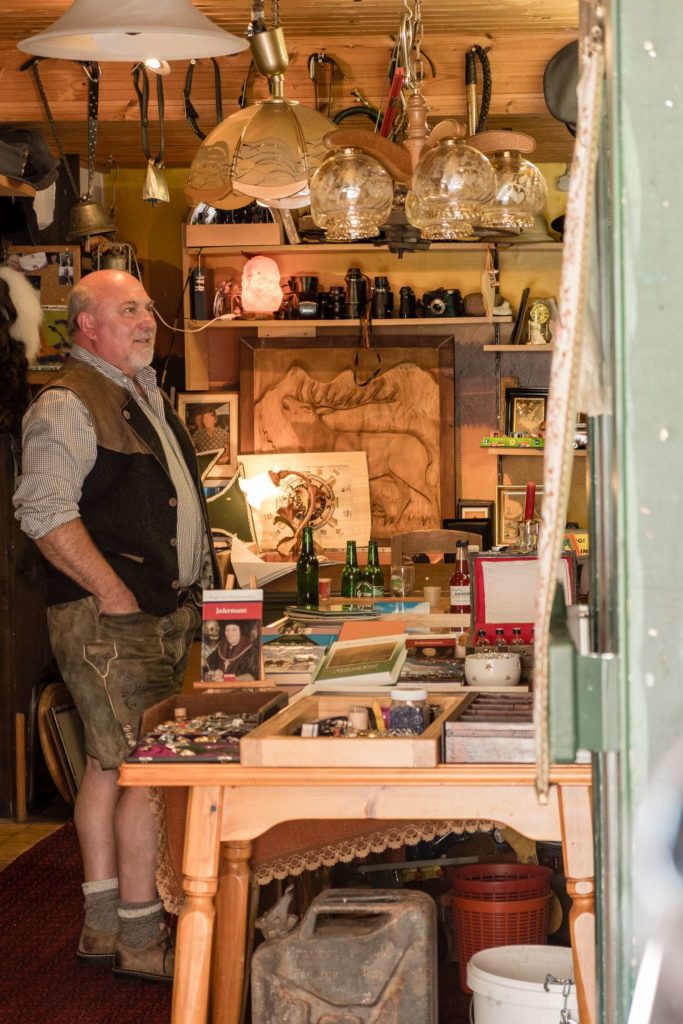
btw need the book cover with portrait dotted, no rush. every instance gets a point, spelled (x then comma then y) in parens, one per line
(232, 623)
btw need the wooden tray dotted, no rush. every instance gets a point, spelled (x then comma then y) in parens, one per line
(490, 728)
(273, 743)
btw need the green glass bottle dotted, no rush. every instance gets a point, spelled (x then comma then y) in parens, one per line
(372, 577)
(307, 573)
(350, 576)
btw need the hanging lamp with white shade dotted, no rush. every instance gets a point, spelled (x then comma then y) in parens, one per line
(132, 30)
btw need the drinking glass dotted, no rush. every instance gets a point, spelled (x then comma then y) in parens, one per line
(403, 580)
(527, 536)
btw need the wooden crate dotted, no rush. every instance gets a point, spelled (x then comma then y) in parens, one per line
(273, 743)
(491, 728)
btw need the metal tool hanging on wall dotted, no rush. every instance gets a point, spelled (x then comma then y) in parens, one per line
(155, 188)
(87, 217)
(476, 121)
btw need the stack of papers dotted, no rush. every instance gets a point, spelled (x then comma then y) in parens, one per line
(246, 563)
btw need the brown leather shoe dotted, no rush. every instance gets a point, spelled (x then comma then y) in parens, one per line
(153, 962)
(96, 948)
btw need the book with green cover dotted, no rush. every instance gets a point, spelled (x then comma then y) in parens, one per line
(366, 664)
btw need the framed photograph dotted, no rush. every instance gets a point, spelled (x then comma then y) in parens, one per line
(510, 499)
(483, 528)
(474, 508)
(212, 419)
(525, 410)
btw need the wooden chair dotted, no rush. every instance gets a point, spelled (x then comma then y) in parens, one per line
(405, 545)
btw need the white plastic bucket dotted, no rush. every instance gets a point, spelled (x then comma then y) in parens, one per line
(507, 982)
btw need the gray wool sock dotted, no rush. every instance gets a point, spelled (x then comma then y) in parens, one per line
(101, 904)
(139, 922)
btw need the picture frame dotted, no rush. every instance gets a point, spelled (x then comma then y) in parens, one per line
(525, 410)
(482, 527)
(510, 500)
(219, 434)
(474, 508)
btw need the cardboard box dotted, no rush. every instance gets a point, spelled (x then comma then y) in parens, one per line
(256, 235)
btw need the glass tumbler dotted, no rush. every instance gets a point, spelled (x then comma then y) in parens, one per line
(403, 580)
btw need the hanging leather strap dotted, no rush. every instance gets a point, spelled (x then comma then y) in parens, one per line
(190, 112)
(139, 72)
(92, 71)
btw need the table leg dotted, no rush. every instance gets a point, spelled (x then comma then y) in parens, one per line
(232, 908)
(195, 924)
(577, 845)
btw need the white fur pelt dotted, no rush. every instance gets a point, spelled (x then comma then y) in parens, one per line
(26, 301)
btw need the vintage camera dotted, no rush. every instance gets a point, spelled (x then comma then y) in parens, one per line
(305, 289)
(446, 302)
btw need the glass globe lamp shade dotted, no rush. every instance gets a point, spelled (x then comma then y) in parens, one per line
(521, 193)
(351, 195)
(451, 184)
(438, 221)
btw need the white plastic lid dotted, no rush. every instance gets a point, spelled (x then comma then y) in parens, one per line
(408, 693)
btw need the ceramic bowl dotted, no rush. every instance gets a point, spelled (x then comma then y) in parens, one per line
(493, 669)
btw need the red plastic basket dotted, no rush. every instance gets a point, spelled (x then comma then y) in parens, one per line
(501, 881)
(480, 924)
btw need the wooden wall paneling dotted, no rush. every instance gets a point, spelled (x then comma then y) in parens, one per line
(518, 59)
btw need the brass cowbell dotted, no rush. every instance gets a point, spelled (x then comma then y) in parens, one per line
(155, 188)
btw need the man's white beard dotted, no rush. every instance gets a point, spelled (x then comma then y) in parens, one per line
(142, 354)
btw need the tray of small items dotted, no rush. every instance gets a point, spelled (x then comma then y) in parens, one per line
(343, 730)
(203, 727)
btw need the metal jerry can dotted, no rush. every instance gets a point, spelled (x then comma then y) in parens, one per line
(359, 955)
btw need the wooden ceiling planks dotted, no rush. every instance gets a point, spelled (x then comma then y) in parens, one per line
(521, 36)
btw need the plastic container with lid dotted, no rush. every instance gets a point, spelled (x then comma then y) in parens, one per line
(409, 709)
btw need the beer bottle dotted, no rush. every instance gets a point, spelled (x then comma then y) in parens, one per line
(460, 580)
(350, 576)
(307, 573)
(372, 577)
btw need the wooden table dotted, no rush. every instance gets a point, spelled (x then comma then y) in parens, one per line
(232, 805)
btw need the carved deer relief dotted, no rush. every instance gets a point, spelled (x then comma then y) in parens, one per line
(394, 419)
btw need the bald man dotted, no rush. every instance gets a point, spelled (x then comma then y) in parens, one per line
(110, 493)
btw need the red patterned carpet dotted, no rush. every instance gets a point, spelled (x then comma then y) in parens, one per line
(41, 981)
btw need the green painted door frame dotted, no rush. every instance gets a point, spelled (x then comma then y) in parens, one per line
(638, 479)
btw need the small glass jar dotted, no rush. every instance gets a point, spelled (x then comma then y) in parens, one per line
(482, 642)
(517, 639)
(499, 640)
(409, 710)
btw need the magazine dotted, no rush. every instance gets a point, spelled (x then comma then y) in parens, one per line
(232, 621)
(433, 658)
(362, 664)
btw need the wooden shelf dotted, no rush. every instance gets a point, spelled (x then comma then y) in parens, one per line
(534, 452)
(307, 328)
(333, 248)
(519, 348)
